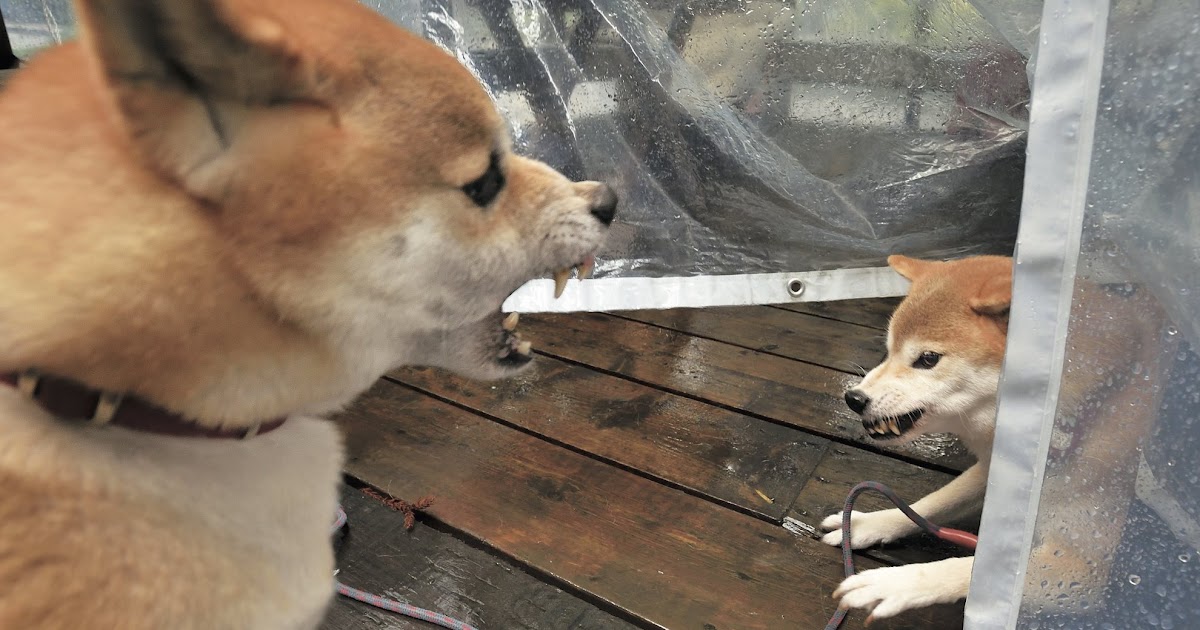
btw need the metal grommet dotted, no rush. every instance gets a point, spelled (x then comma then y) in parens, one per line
(795, 287)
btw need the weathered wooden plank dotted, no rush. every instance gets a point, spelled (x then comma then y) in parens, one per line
(669, 558)
(720, 454)
(849, 348)
(842, 468)
(873, 312)
(435, 570)
(805, 396)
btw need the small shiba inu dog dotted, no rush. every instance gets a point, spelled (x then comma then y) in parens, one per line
(945, 346)
(222, 218)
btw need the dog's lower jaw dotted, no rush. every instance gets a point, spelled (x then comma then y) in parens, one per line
(896, 429)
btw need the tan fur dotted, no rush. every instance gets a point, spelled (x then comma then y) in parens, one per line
(959, 309)
(238, 210)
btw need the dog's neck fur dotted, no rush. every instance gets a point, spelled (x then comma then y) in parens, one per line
(152, 304)
(977, 430)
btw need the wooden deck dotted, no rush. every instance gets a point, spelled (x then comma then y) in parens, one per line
(638, 477)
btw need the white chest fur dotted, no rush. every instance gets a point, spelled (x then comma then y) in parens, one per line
(259, 509)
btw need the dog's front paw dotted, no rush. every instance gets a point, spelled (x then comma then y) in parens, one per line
(513, 353)
(867, 528)
(890, 591)
(506, 354)
(485, 350)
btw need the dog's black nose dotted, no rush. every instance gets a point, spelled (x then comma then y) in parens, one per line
(604, 206)
(857, 401)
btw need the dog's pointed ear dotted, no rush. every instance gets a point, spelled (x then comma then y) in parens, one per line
(910, 268)
(994, 297)
(186, 75)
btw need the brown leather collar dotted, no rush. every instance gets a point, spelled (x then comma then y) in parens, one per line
(69, 399)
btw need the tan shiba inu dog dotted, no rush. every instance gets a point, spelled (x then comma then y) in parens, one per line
(946, 344)
(221, 218)
(945, 350)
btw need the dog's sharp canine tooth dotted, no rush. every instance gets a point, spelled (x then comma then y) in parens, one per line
(560, 282)
(525, 348)
(585, 269)
(892, 424)
(510, 322)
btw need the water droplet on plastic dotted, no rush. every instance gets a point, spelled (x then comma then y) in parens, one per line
(1185, 557)
(1135, 579)
(1172, 330)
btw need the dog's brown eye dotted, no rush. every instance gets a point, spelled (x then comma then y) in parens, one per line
(927, 360)
(483, 190)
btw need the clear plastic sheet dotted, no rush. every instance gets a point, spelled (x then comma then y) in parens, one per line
(36, 24)
(1108, 524)
(748, 136)
(1125, 448)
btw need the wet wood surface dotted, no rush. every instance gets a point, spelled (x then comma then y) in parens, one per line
(665, 557)
(801, 395)
(873, 313)
(841, 346)
(437, 571)
(640, 474)
(720, 454)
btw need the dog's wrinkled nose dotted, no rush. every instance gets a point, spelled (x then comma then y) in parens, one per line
(857, 401)
(604, 205)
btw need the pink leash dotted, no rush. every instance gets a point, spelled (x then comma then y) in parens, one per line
(392, 605)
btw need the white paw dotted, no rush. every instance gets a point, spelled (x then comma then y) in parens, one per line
(890, 591)
(867, 528)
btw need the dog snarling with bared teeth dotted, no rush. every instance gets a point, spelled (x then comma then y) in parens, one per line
(946, 343)
(237, 214)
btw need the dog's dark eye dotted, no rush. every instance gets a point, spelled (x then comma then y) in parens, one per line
(483, 190)
(927, 360)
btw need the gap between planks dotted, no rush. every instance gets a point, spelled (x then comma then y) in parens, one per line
(669, 558)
